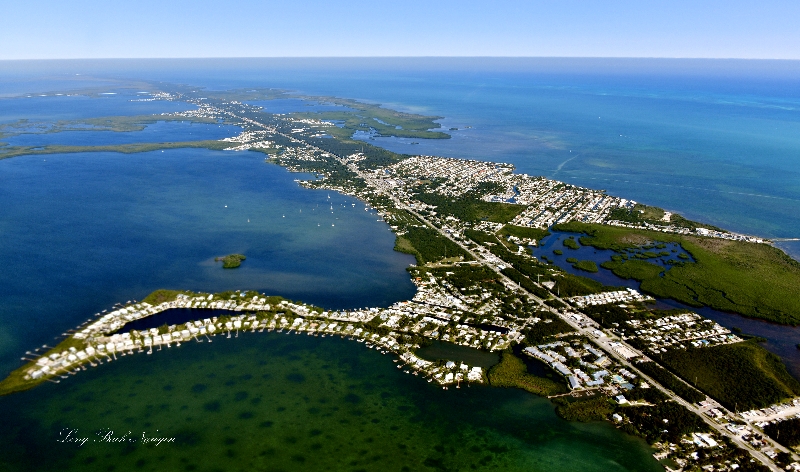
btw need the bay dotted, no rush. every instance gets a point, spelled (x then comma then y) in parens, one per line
(274, 401)
(84, 231)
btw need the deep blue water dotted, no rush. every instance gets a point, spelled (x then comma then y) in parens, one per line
(717, 141)
(84, 231)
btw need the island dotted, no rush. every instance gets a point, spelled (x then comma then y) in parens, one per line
(230, 261)
(470, 226)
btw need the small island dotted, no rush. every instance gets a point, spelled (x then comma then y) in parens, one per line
(231, 261)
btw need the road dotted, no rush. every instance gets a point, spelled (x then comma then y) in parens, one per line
(603, 342)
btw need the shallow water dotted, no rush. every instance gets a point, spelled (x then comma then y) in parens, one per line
(274, 401)
(159, 132)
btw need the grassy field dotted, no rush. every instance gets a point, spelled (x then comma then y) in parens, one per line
(755, 280)
(512, 372)
(741, 376)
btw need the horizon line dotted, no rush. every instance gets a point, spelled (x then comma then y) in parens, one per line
(397, 57)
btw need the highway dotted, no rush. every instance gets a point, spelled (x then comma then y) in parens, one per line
(602, 342)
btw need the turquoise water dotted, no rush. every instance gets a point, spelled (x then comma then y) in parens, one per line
(718, 141)
(269, 401)
(84, 231)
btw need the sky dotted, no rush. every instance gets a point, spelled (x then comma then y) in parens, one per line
(57, 29)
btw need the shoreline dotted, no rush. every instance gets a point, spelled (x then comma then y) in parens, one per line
(359, 175)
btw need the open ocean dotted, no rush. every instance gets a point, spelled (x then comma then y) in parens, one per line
(718, 141)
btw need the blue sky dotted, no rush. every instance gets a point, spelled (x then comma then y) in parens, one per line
(36, 29)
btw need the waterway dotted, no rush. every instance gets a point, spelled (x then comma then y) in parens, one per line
(440, 350)
(781, 340)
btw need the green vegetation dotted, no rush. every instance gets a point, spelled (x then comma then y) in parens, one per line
(359, 116)
(588, 266)
(648, 214)
(471, 208)
(755, 280)
(16, 382)
(231, 261)
(161, 295)
(525, 282)
(558, 252)
(512, 372)
(571, 243)
(670, 382)
(15, 151)
(666, 421)
(760, 377)
(523, 232)
(610, 315)
(633, 269)
(584, 409)
(785, 432)
(106, 123)
(427, 245)
(545, 329)
(568, 285)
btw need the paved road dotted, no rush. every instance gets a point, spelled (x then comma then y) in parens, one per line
(603, 342)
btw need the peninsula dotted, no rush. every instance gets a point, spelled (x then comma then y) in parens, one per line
(469, 224)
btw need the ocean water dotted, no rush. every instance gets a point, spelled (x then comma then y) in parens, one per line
(52, 107)
(716, 141)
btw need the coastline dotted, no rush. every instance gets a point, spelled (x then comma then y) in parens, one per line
(353, 166)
